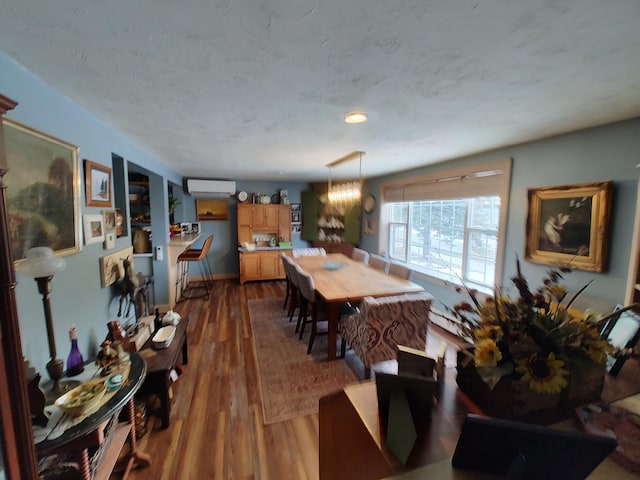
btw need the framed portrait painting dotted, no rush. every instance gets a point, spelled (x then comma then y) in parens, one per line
(43, 191)
(97, 184)
(569, 225)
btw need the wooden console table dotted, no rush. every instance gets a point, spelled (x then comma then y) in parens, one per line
(90, 432)
(159, 366)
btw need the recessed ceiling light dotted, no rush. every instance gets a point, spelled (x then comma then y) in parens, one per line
(355, 117)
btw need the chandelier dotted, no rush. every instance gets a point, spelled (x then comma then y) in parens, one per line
(346, 193)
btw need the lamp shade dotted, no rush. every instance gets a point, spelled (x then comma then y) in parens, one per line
(41, 262)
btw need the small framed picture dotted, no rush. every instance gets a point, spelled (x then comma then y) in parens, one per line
(97, 184)
(93, 229)
(195, 227)
(109, 240)
(185, 227)
(295, 218)
(109, 220)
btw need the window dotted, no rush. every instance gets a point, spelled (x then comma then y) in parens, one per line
(448, 225)
(448, 239)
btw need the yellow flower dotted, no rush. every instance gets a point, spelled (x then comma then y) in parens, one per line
(487, 353)
(557, 291)
(492, 332)
(544, 375)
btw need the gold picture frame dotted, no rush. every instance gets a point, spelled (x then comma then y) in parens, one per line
(97, 184)
(569, 225)
(212, 209)
(43, 191)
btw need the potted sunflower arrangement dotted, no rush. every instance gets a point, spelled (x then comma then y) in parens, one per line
(532, 356)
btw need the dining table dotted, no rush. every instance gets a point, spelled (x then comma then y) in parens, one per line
(339, 279)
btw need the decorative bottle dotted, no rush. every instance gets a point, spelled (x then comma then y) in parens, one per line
(157, 322)
(75, 362)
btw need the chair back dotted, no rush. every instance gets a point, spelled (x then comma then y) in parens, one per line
(386, 322)
(400, 270)
(293, 272)
(379, 262)
(309, 252)
(305, 285)
(360, 255)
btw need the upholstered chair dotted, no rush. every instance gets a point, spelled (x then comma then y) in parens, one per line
(287, 275)
(381, 324)
(294, 302)
(360, 255)
(379, 262)
(308, 307)
(400, 270)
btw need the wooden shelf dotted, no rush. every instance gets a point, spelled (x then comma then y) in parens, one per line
(116, 442)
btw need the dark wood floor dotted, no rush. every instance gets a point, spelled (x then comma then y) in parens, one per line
(217, 429)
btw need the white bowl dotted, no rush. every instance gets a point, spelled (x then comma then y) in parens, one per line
(164, 337)
(83, 398)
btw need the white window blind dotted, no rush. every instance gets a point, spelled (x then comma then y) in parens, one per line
(476, 181)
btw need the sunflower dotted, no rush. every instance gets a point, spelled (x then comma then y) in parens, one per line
(487, 353)
(544, 374)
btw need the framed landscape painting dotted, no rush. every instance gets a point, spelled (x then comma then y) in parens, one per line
(97, 180)
(43, 191)
(569, 225)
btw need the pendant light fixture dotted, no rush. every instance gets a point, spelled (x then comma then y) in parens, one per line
(346, 193)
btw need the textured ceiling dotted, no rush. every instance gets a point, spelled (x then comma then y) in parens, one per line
(248, 89)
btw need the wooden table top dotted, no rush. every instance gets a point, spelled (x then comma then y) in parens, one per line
(352, 281)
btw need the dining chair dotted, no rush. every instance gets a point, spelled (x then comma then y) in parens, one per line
(309, 252)
(294, 301)
(309, 307)
(287, 277)
(360, 255)
(381, 324)
(400, 270)
(379, 262)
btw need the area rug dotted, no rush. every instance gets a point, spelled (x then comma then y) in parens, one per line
(291, 382)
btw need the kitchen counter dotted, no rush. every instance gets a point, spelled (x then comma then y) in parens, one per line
(263, 249)
(183, 240)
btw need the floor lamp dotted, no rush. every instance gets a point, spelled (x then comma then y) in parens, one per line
(41, 264)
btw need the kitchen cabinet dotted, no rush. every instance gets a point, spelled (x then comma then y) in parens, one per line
(258, 223)
(260, 265)
(258, 217)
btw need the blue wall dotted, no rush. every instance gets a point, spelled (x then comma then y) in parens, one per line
(77, 297)
(597, 154)
(604, 153)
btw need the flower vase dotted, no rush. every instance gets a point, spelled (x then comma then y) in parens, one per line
(512, 398)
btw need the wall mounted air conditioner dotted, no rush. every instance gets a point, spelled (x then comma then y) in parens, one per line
(206, 188)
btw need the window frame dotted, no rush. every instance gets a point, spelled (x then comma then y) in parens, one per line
(500, 189)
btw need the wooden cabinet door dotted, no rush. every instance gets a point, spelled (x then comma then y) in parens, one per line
(269, 265)
(271, 217)
(258, 218)
(244, 215)
(249, 266)
(284, 222)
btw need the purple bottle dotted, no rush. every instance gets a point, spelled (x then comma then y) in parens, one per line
(75, 362)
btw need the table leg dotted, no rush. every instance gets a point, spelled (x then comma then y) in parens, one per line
(165, 401)
(334, 315)
(185, 353)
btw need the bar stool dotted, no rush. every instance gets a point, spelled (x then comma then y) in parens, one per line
(184, 289)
